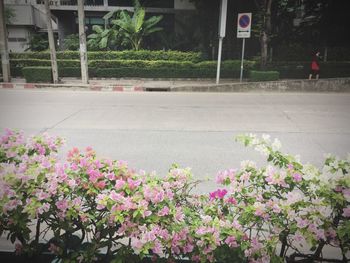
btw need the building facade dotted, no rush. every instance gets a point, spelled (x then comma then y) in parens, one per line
(29, 16)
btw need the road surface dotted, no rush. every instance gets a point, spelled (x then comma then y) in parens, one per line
(153, 130)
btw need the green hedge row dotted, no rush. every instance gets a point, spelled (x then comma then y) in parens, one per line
(166, 72)
(301, 70)
(138, 68)
(115, 55)
(263, 75)
(37, 74)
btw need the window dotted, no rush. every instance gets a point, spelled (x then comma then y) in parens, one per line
(17, 39)
(145, 3)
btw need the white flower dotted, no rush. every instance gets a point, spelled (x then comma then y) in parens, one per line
(325, 211)
(262, 149)
(266, 137)
(276, 145)
(247, 164)
(310, 172)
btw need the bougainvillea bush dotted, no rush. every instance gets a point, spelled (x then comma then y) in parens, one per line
(88, 209)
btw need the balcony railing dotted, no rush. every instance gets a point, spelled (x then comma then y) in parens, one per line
(71, 2)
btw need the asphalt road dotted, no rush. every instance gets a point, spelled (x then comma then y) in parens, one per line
(153, 130)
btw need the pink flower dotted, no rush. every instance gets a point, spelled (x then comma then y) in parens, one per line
(62, 205)
(115, 196)
(164, 211)
(346, 193)
(179, 215)
(196, 258)
(146, 213)
(11, 205)
(119, 184)
(100, 185)
(42, 195)
(231, 241)
(220, 194)
(72, 183)
(44, 208)
(133, 183)
(346, 212)
(297, 177)
(94, 175)
(231, 200)
(302, 223)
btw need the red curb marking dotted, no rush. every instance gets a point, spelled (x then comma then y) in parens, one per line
(118, 88)
(7, 85)
(136, 88)
(29, 86)
(96, 88)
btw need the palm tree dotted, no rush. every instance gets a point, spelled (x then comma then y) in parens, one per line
(135, 28)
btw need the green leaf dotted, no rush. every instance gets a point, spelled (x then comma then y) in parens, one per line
(97, 28)
(109, 15)
(103, 42)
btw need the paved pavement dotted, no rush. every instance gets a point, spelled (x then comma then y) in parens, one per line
(152, 130)
(188, 85)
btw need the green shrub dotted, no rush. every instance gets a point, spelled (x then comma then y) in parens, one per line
(140, 64)
(115, 55)
(301, 69)
(73, 72)
(263, 75)
(37, 74)
(137, 68)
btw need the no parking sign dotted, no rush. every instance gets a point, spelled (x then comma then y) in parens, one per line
(244, 23)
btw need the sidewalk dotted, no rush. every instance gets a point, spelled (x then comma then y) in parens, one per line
(112, 84)
(188, 85)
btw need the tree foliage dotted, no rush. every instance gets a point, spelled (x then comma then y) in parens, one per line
(71, 42)
(124, 29)
(38, 42)
(134, 28)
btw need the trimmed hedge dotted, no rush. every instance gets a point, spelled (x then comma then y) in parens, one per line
(155, 69)
(263, 75)
(301, 70)
(115, 55)
(43, 63)
(37, 74)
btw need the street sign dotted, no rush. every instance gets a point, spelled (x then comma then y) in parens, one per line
(244, 23)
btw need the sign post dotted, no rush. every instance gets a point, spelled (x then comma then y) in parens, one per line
(222, 32)
(243, 31)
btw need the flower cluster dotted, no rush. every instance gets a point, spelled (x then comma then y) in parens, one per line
(85, 208)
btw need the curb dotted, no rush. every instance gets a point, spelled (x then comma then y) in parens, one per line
(31, 86)
(300, 85)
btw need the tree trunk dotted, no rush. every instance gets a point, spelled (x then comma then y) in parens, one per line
(264, 48)
(265, 33)
(5, 61)
(82, 41)
(51, 43)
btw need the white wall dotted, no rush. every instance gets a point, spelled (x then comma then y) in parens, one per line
(17, 2)
(18, 38)
(183, 5)
(23, 14)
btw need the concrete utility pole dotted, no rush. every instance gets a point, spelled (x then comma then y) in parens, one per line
(5, 61)
(82, 41)
(51, 43)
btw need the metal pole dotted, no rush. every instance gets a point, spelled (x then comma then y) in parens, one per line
(241, 75)
(82, 41)
(51, 43)
(5, 61)
(219, 61)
